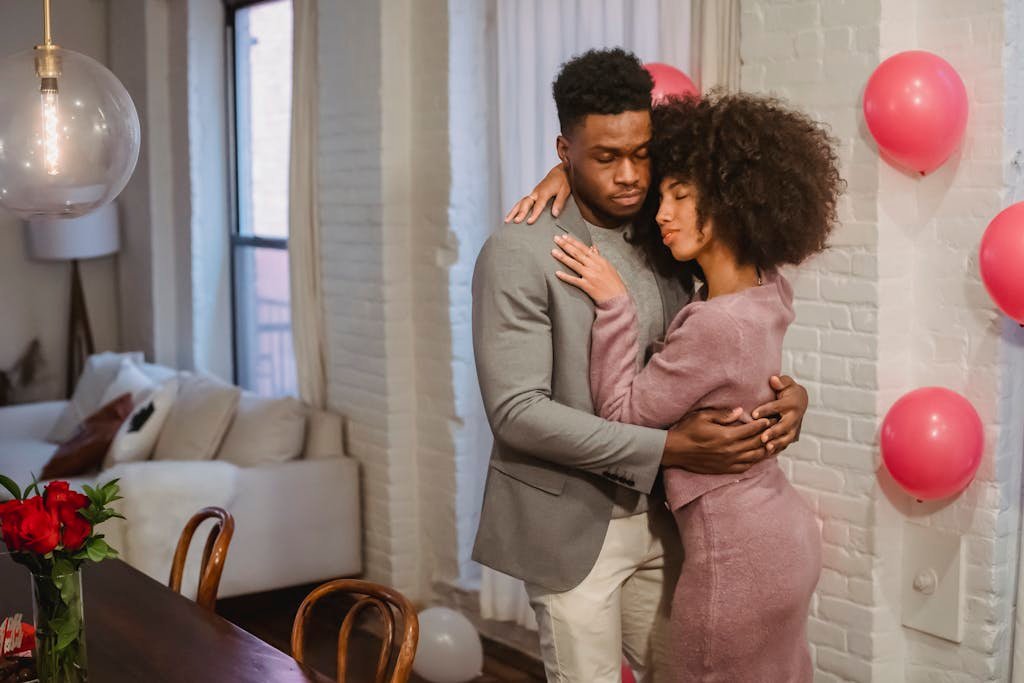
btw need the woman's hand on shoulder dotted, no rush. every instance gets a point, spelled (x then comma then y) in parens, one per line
(595, 275)
(555, 185)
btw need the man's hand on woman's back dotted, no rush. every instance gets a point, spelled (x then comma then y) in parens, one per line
(714, 442)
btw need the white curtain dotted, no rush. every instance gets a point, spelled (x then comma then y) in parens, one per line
(534, 38)
(716, 52)
(308, 329)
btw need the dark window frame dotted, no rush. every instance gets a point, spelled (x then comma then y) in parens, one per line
(236, 238)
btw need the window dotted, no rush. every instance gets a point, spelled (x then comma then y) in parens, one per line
(260, 61)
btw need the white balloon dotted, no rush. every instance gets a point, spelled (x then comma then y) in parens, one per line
(449, 649)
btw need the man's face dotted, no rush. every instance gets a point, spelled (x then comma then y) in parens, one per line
(608, 164)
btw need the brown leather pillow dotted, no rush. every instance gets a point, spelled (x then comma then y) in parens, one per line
(86, 449)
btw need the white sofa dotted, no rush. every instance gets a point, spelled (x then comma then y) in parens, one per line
(295, 522)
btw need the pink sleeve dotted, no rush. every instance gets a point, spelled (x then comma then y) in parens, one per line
(700, 355)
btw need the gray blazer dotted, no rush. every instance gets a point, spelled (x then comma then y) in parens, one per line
(555, 466)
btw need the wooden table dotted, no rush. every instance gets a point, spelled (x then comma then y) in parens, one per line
(138, 630)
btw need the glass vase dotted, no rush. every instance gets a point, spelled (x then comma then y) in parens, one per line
(60, 628)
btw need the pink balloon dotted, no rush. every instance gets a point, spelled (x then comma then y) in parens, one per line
(915, 106)
(669, 82)
(932, 441)
(1001, 256)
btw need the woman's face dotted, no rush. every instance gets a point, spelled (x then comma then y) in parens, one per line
(677, 219)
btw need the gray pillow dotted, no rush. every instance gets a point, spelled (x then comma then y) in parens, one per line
(199, 418)
(264, 431)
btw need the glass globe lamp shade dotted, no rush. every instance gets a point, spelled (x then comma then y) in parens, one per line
(68, 143)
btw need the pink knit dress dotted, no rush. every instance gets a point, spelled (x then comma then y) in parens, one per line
(752, 545)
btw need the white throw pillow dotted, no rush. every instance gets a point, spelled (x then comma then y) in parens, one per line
(129, 380)
(158, 374)
(137, 437)
(100, 370)
(324, 436)
(199, 418)
(264, 431)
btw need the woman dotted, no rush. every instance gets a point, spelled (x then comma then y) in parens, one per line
(746, 186)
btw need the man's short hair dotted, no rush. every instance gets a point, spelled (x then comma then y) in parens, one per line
(601, 82)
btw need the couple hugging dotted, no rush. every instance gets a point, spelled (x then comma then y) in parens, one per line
(628, 345)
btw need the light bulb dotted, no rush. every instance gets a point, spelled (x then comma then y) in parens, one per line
(51, 149)
(65, 153)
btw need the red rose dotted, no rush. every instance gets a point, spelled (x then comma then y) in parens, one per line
(59, 495)
(39, 530)
(76, 528)
(28, 637)
(11, 514)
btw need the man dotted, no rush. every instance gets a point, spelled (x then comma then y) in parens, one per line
(568, 504)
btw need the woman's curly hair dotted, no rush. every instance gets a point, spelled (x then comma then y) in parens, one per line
(766, 175)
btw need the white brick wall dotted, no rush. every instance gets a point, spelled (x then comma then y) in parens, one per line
(363, 303)
(897, 304)
(386, 256)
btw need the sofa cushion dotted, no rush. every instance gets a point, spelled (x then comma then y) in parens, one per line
(324, 436)
(129, 380)
(137, 437)
(84, 451)
(20, 458)
(264, 431)
(199, 419)
(100, 370)
(158, 374)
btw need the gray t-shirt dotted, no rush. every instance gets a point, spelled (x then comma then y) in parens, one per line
(639, 279)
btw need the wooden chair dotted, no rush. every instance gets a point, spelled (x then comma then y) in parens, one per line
(214, 554)
(386, 601)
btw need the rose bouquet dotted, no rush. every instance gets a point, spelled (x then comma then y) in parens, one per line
(53, 534)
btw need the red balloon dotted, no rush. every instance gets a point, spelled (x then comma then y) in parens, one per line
(1001, 256)
(669, 82)
(627, 674)
(932, 441)
(915, 106)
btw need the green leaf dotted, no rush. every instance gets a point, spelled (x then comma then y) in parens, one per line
(98, 550)
(95, 497)
(68, 631)
(34, 486)
(61, 567)
(110, 491)
(69, 590)
(9, 484)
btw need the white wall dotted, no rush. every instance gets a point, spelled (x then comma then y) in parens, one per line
(210, 254)
(147, 49)
(174, 268)
(364, 219)
(34, 295)
(396, 280)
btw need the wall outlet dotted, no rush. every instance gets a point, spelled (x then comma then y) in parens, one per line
(933, 581)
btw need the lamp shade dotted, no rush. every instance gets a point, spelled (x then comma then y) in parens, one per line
(63, 239)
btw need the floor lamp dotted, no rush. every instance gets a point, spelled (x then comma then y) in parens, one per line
(93, 235)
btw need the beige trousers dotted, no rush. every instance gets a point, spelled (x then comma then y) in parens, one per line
(620, 608)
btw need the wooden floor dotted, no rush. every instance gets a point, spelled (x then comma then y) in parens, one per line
(269, 617)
